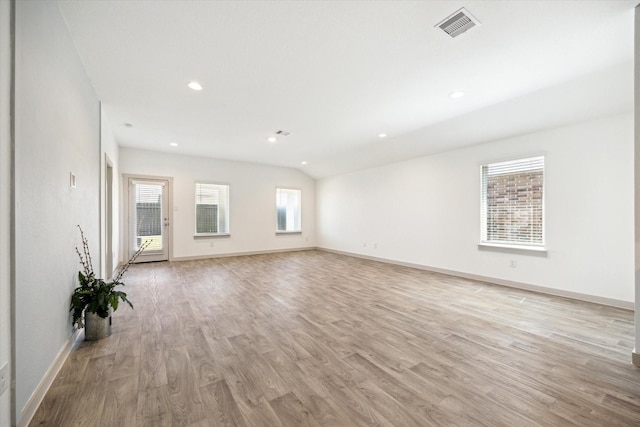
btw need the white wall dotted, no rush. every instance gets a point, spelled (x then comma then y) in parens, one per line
(109, 149)
(426, 211)
(57, 132)
(252, 201)
(6, 187)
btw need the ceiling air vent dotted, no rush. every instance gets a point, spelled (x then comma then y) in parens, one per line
(283, 132)
(458, 23)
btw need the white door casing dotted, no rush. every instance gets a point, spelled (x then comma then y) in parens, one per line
(149, 217)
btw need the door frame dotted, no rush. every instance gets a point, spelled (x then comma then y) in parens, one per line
(108, 213)
(124, 228)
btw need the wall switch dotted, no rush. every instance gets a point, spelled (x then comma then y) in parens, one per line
(4, 378)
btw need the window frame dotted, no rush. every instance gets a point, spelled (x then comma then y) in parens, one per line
(227, 232)
(513, 244)
(299, 229)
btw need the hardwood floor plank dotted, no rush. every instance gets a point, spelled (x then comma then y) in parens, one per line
(292, 411)
(260, 414)
(120, 407)
(57, 406)
(349, 400)
(204, 366)
(153, 371)
(323, 410)
(153, 407)
(185, 402)
(389, 407)
(222, 407)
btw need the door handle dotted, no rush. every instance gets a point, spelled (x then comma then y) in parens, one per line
(166, 222)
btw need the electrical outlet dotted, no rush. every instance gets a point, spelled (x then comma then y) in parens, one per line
(4, 378)
(513, 263)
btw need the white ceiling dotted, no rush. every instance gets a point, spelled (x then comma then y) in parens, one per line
(337, 73)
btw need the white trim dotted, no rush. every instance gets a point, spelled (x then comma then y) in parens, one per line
(126, 211)
(299, 190)
(483, 222)
(201, 235)
(628, 305)
(512, 246)
(227, 205)
(230, 254)
(38, 394)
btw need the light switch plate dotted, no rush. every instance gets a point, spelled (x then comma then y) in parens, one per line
(4, 378)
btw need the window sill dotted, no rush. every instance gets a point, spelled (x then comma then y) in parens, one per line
(207, 235)
(508, 247)
(288, 232)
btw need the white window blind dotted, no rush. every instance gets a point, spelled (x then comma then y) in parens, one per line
(212, 209)
(146, 212)
(512, 202)
(288, 210)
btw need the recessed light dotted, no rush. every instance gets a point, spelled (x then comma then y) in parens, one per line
(173, 144)
(382, 135)
(195, 85)
(303, 163)
(456, 95)
(128, 125)
(271, 139)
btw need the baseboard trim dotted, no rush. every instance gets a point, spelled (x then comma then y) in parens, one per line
(508, 283)
(232, 254)
(38, 394)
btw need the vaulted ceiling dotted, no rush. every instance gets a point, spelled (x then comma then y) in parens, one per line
(336, 74)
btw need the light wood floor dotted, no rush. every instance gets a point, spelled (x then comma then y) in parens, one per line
(314, 338)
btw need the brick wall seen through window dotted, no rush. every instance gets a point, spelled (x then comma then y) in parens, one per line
(513, 202)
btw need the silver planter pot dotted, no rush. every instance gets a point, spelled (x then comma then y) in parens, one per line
(96, 327)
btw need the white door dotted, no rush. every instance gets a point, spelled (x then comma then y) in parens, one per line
(149, 218)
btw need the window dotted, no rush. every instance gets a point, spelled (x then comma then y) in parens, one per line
(212, 209)
(512, 212)
(288, 210)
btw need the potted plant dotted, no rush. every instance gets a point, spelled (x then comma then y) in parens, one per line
(93, 301)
